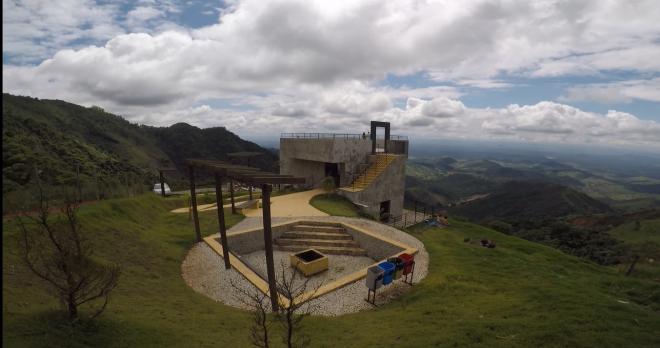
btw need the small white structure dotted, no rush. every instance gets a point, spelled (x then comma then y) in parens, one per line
(157, 189)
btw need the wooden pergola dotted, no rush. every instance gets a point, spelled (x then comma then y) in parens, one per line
(251, 176)
(241, 155)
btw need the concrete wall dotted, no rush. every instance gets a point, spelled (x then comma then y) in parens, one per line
(388, 186)
(307, 157)
(247, 242)
(312, 171)
(376, 248)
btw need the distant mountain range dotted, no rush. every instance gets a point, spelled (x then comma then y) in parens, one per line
(447, 181)
(529, 200)
(57, 138)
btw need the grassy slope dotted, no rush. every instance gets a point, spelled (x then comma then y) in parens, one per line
(519, 293)
(644, 241)
(152, 305)
(334, 205)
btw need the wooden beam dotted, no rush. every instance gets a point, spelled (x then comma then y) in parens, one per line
(274, 180)
(268, 246)
(221, 220)
(193, 199)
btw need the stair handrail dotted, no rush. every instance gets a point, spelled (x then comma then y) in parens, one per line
(364, 171)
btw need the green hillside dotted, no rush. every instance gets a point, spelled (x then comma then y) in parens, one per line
(58, 138)
(525, 199)
(520, 294)
(643, 239)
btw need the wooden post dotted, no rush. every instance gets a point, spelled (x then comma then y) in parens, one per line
(193, 201)
(162, 183)
(231, 196)
(249, 186)
(221, 220)
(268, 243)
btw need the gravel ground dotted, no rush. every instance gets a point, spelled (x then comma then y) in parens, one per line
(338, 266)
(203, 270)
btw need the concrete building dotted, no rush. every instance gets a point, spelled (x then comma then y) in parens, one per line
(368, 170)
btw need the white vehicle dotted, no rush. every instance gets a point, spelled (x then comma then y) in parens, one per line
(157, 189)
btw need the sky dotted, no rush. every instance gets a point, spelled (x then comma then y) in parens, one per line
(552, 72)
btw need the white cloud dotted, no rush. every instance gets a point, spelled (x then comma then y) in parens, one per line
(615, 92)
(443, 107)
(296, 62)
(35, 29)
(137, 18)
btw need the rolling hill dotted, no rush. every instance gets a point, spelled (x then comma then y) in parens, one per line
(57, 138)
(528, 199)
(520, 294)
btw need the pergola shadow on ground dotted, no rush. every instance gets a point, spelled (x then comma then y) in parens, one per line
(250, 176)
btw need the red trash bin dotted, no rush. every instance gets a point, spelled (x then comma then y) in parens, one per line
(408, 262)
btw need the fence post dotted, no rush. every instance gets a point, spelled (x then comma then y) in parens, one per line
(415, 205)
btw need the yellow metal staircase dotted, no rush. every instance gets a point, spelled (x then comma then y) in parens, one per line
(365, 178)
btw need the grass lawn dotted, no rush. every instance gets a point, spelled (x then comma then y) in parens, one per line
(518, 294)
(335, 204)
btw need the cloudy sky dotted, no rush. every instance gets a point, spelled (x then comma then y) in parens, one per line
(584, 72)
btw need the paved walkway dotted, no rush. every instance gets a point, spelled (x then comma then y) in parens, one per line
(200, 207)
(291, 205)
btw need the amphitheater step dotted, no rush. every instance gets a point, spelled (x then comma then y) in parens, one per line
(317, 228)
(316, 235)
(324, 242)
(326, 249)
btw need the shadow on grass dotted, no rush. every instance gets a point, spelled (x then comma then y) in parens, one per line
(52, 329)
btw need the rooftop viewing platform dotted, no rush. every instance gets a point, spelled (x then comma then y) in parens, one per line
(337, 136)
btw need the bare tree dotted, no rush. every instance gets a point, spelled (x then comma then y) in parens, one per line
(55, 251)
(258, 304)
(291, 317)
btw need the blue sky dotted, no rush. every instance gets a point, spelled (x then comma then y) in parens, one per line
(583, 72)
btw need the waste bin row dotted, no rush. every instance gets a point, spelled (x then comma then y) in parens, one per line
(390, 270)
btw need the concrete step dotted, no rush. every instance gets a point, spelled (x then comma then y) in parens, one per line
(316, 235)
(317, 242)
(320, 223)
(325, 249)
(318, 228)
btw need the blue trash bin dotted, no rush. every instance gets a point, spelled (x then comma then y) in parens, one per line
(388, 271)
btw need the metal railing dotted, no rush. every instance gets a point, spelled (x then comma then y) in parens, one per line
(336, 136)
(419, 213)
(380, 160)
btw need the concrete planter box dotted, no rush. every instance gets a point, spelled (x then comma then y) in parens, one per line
(309, 262)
